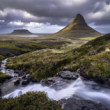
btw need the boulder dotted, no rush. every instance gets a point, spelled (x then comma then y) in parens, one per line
(68, 75)
(25, 82)
(17, 81)
(56, 82)
(24, 76)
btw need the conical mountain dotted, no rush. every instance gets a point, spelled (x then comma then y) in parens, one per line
(77, 28)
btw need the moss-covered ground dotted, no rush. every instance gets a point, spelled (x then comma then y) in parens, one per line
(29, 101)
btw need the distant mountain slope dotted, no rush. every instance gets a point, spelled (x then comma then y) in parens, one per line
(21, 31)
(77, 28)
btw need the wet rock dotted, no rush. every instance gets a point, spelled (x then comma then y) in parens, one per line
(24, 76)
(20, 72)
(25, 82)
(76, 103)
(68, 75)
(17, 81)
(56, 82)
(30, 79)
(49, 81)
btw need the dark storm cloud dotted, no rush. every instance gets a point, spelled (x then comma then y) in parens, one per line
(55, 12)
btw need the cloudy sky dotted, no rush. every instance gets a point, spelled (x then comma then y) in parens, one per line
(48, 16)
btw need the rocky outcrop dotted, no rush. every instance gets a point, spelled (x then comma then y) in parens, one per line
(56, 82)
(17, 81)
(63, 79)
(76, 103)
(68, 75)
(25, 82)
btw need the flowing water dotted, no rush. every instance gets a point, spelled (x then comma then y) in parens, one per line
(3, 69)
(88, 90)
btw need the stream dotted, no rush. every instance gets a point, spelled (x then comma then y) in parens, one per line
(88, 90)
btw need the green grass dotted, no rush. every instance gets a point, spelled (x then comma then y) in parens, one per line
(46, 63)
(97, 65)
(29, 101)
(93, 58)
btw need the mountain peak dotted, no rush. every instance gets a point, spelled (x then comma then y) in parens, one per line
(79, 20)
(78, 28)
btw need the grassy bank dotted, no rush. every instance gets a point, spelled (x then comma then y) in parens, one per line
(92, 59)
(29, 101)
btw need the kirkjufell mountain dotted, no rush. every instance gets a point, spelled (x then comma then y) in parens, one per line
(78, 28)
(21, 31)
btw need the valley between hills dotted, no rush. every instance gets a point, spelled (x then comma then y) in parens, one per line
(77, 55)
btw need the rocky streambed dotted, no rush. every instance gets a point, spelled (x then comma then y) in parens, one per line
(69, 89)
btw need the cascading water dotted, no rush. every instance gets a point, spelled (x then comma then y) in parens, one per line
(7, 71)
(88, 90)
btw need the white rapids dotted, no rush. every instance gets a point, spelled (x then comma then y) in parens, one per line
(88, 90)
(80, 88)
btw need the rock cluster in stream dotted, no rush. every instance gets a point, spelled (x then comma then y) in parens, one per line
(63, 79)
(23, 78)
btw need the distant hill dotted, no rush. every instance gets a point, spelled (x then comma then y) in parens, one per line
(77, 28)
(21, 31)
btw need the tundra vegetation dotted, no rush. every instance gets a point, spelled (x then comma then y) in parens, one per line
(29, 101)
(93, 58)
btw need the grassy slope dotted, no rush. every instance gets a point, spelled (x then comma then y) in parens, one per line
(92, 59)
(44, 63)
(29, 101)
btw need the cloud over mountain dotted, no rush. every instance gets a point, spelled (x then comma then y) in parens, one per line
(53, 12)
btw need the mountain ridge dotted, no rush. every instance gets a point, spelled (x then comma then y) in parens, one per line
(21, 31)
